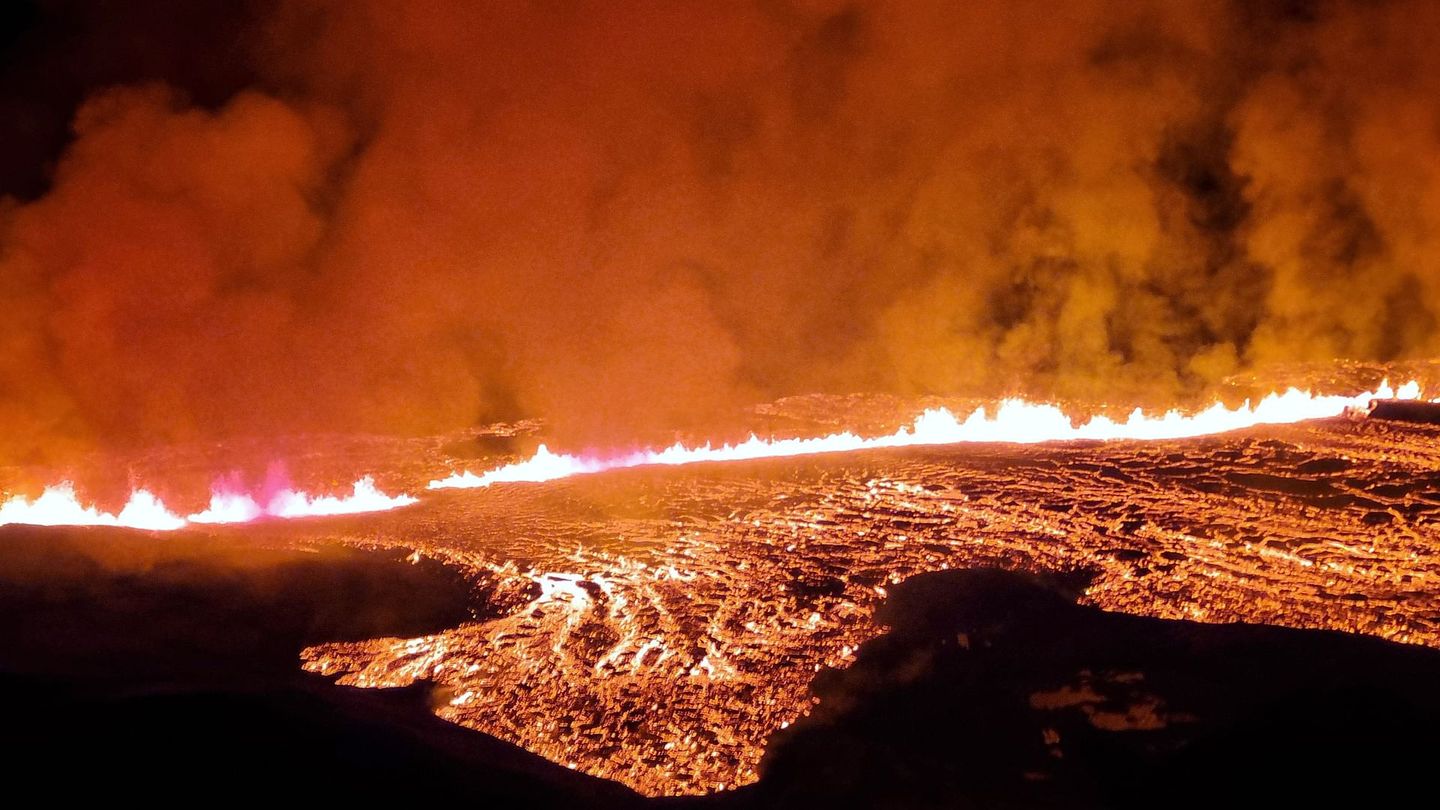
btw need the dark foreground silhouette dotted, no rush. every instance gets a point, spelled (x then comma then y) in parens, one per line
(994, 689)
(168, 672)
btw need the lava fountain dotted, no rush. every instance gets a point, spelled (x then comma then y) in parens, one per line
(1014, 421)
(241, 507)
(58, 505)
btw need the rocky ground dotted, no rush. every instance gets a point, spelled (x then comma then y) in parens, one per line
(661, 627)
(657, 627)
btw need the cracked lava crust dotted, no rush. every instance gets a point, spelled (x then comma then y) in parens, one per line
(657, 626)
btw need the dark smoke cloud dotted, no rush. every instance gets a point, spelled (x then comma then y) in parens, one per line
(415, 216)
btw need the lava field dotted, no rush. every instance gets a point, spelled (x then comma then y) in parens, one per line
(658, 626)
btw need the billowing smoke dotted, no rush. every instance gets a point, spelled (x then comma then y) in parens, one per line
(416, 216)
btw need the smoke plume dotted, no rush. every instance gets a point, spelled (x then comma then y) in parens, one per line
(410, 217)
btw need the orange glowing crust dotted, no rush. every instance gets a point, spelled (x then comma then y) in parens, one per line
(663, 648)
(664, 652)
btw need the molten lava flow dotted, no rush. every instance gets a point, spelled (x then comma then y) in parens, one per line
(363, 497)
(59, 506)
(233, 507)
(661, 644)
(1014, 421)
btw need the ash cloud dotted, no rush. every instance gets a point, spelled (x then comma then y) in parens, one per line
(410, 217)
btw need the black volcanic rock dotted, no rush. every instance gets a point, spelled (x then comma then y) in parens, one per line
(994, 689)
(282, 743)
(1406, 410)
(167, 671)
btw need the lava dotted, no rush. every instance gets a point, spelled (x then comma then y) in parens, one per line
(239, 507)
(1014, 421)
(658, 629)
(59, 506)
(663, 648)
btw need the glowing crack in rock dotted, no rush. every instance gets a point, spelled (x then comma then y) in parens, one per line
(1014, 420)
(59, 506)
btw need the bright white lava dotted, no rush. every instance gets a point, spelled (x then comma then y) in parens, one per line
(1014, 421)
(58, 506)
(230, 507)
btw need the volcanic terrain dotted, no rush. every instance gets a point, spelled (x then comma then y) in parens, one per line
(658, 626)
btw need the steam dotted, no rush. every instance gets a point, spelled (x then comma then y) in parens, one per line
(621, 216)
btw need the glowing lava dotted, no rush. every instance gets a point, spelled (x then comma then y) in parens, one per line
(59, 506)
(231, 507)
(1014, 420)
